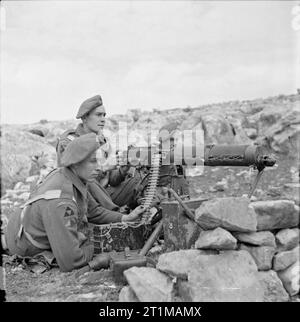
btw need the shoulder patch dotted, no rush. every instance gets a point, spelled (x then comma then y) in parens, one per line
(70, 220)
(68, 212)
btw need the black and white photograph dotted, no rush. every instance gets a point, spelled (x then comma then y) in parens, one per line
(150, 153)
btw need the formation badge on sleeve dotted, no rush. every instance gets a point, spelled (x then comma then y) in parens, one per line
(69, 217)
(69, 212)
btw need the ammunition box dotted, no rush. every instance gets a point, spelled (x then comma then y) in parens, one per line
(117, 236)
(180, 232)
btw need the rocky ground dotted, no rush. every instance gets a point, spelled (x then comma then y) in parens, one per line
(273, 122)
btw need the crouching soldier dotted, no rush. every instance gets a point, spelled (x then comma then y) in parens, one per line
(54, 218)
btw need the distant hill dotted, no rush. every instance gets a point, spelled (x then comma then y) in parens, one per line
(273, 122)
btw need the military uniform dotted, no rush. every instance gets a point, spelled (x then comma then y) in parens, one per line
(54, 218)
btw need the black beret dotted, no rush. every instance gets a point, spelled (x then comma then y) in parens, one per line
(88, 105)
(79, 149)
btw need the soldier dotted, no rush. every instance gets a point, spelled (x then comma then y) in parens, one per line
(54, 218)
(121, 189)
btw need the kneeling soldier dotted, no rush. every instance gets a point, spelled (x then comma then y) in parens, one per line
(54, 217)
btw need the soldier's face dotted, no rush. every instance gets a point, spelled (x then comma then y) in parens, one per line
(88, 169)
(95, 120)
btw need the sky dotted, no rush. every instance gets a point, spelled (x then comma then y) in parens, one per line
(142, 54)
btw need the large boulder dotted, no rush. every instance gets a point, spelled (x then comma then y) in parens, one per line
(260, 238)
(276, 214)
(220, 129)
(20, 150)
(287, 239)
(149, 284)
(178, 263)
(285, 259)
(202, 278)
(218, 238)
(233, 214)
(290, 278)
(284, 135)
(278, 124)
(273, 288)
(262, 255)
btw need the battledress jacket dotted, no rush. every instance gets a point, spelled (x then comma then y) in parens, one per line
(55, 219)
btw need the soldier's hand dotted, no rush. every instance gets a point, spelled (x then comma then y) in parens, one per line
(135, 214)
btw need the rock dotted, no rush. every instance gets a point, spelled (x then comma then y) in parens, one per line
(251, 108)
(127, 295)
(274, 191)
(156, 250)
(290, 278)
(24, 196)
(37, 132)
(12, 194)
(32, 179)
(285, 259)
(220, 130)
(18, 186)
(276, 214)
(179, 263)
(260, 238)
(194, 171)
(203, 278)
(292, 192)
(149, 284)
(242, 173)
(292, 185)
(218, 238)
(217, 129)
(6, 202)
(233, 214)
(273, 287)
(17, 149)
(221, 185)
(279, 123)
(287, 239)
(96, 296)
(251, 133)
(262, 255)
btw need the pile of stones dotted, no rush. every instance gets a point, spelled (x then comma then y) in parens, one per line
(247, 251)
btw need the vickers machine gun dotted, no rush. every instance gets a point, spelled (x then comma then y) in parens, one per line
(210, 155)
(156, 157)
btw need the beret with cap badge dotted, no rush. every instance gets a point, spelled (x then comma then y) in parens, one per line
(79, 149)
(88, 105)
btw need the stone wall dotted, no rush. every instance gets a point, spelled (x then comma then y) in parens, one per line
(245, 252)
